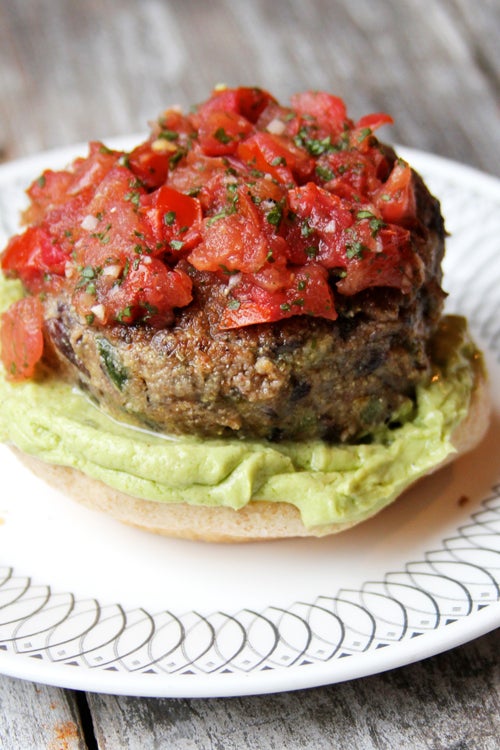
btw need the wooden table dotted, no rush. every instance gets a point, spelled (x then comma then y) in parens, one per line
(71, 71)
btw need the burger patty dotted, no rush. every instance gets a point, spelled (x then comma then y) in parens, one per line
(300, 378)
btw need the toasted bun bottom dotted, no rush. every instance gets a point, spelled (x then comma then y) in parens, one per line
(259, 520)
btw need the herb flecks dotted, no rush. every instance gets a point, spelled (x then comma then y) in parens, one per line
(221, 135)
(169, 218)
(355, 250)
(112, 363)
(275, 215)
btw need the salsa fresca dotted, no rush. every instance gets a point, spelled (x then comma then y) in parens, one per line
(286, 206)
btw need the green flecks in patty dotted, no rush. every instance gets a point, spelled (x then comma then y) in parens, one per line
(112, 364)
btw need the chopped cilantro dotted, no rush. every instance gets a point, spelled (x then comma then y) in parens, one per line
(311, 251)
(275, 215)
(324, 172)
(305, 229)
(133, 196)
(169, 218)
(354, 250)
(364, 133)
(314, 146)
(168, 135)
(221, 135)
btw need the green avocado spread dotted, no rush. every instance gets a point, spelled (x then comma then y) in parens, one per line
(327, 483)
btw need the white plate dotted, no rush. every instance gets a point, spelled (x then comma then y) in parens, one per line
(89, 604)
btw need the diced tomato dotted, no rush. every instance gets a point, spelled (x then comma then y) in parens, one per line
(246, 101)
(31, 256)
(46, 191)
(116, 227)
(360, 135)
(221, 132)
(318, 229)
(174, 218)
(173, 125)
(149, 165)
(395, 265)
(149, 291)
(252, 101)
(60, 199)
(307, 292)
(230, 243)
(395, 199)
(90, 170)
(58, 188)
(276, 156)
(348, 174)
(329, 111)
(274, 276)
(21, 338)
(262, 191)
(197, 171)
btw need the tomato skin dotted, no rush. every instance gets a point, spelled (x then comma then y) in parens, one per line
(21, 338)
(31, 256)
(46, 192)
(348, 174)
(277, 157)
(318, 233)
(174, 218)
(366, 125)
(249, 102)
(329, 111)
(149, 293)
(231, 244)
(221, 132)
(117, 226)
(150, 166)
(394, 265)
(395, 199)
(305, 292)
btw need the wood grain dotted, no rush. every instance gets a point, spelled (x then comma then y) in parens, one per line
(72, 71)
(436, 72)
(38, 717)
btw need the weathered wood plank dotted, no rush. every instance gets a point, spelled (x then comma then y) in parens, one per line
(38, 717)
(435, 71)
(449, 701)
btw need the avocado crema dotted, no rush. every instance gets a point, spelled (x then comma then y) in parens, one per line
(327, 483)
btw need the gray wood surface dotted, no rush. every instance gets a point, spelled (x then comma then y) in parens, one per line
(71, 71)
(39, 716)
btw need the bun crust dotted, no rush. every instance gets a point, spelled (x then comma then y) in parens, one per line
(258, 521)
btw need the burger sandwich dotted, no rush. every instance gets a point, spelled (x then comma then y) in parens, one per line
(235, 330)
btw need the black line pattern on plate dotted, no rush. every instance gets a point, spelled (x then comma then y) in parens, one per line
(449, 584)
